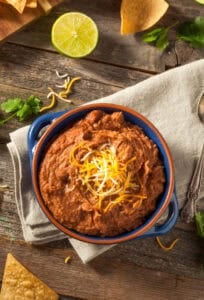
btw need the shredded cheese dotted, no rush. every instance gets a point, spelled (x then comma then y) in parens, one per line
(67, 259)
(106, 177)
(52, 103)
(63, 94)
(165, 248)
(68, 85)
(4, 186)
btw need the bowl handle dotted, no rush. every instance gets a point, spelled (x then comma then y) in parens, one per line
(36, 127)
(169, 223)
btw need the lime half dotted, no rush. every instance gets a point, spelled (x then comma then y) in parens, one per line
(200, 1)
(74, 34)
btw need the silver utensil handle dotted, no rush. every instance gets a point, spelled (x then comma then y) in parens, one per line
(189, 209)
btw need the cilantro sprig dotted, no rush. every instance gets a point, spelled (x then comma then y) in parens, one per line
(191, 32)
(199, 220)
(159, 36)
(22, 109)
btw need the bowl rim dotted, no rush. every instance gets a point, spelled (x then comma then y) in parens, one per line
(87, 238)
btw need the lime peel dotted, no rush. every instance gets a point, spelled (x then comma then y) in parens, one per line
(74, 34)
(200, 1)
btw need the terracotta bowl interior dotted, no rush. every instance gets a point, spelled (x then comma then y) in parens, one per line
(132, 116)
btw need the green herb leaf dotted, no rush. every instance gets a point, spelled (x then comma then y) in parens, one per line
(12, 105)
(159, 36)
(24, 113)
(193, 32)
(21, 109)
(34, 103)
(152, 35)
(199, 219)
(163, 41)
(7, 119)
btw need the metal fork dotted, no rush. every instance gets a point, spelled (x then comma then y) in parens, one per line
(189, 210)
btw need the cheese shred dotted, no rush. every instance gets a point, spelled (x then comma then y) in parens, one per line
(52, 103)
(67, 259)
(63, 94)
(165, 248)
(107, 178)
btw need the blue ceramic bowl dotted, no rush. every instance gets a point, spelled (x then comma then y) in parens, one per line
(56, 122)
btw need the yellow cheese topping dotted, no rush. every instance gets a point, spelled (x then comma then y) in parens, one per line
(105, 176)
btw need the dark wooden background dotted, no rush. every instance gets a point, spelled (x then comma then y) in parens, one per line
(133, 270)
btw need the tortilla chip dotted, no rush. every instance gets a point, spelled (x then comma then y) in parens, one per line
(31, 3)
(19, 5)
(18, 281)
(139, 15)
(46, 6)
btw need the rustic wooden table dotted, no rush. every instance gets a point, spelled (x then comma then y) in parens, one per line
(133, 270)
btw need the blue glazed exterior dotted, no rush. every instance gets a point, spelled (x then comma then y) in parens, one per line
(61, 120)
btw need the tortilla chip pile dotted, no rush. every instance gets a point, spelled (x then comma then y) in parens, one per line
(20, 5)
(18, 282)
(139, 15)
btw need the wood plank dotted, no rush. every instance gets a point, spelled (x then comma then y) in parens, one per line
(42, 66)
(22, 76)
(12, 21)
(104, 278)
(113, 48)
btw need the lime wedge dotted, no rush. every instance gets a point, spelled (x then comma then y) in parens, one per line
(200, 1)
(74, 34)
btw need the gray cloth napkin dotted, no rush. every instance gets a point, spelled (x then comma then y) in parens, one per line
(169, 100)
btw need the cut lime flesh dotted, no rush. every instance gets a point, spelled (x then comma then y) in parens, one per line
(74, 34)
(200, 1)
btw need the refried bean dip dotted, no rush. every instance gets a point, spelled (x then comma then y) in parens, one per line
(101, 176)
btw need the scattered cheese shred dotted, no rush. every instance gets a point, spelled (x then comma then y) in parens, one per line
(106, 177)
(67, 259)
(68, 85)
(4, 186)
(52, 103)
(63, 94)
(165, 248)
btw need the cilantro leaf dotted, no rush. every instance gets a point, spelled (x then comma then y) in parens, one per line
(163, 41)
(12, 105)
(199, 220)
(35, 104)
(24, 113)
(7, 119)
(159, 36)
(192, 32)
(152, 35)
(20, 108)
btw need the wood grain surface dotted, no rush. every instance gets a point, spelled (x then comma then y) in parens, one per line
(114, 275)
(114, 49)
(134, 270)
